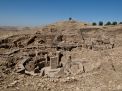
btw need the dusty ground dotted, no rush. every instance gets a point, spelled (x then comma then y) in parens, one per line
(101, 52)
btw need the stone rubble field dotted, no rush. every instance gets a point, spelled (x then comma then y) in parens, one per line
(64, 56)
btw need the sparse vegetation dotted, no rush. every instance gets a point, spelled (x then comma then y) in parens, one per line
(120, 23)
(108, 23)
(85, 24)
(94, 23)
(100, 23)
(70, 18)
(114, 23)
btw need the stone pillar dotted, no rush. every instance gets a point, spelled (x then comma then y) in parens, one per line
(53, 62)
(36, 52)
(69, 59)
(58, 56)
(49, 41)
(46, 59)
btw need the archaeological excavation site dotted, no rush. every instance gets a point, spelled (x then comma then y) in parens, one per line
(63, 56)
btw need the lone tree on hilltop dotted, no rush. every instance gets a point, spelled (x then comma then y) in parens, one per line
(70, 18)
(100, 23)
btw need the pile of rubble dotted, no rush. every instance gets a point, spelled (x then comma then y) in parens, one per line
(62, 57)
(41, 53)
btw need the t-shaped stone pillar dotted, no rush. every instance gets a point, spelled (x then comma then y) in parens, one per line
(54, 62)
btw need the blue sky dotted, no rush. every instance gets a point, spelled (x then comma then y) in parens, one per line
(37, 12)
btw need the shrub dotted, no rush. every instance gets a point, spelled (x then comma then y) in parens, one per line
(120, 23)
(85, 24)
(114, 23)
(108, 23)
(94, 24)
(100, 23)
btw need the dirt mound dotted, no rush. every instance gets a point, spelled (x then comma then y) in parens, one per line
(70, 53)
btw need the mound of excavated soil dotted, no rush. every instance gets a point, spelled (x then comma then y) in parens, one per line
(65, 56)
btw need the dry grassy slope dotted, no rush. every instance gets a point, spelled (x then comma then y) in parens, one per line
(65, 27)
(6, 32)
(62, 26)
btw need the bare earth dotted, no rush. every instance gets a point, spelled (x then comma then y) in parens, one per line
(65, 56)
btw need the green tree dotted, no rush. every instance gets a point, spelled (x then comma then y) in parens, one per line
(114, 23)
(94, 23)
(120, 23)
(70, 18)
(100, 23)
(108, 23)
